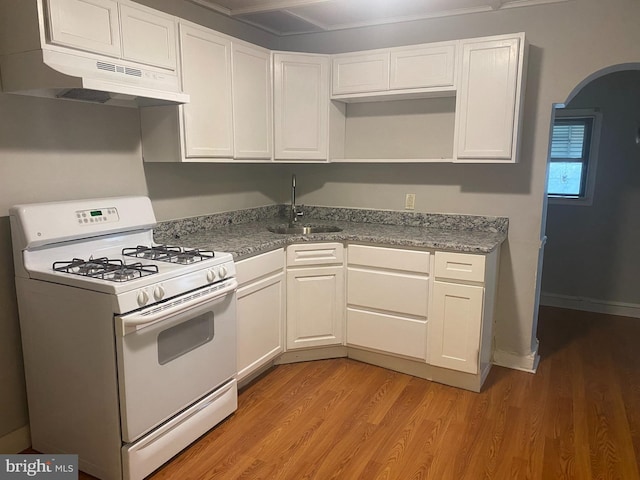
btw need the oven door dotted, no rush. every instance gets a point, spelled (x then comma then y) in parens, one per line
(173, 353)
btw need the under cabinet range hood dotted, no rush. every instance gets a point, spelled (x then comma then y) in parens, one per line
(98, 51)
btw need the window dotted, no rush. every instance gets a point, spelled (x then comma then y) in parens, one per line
(573, 157)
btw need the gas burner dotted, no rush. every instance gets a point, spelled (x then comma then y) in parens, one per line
(124, 274)
(185, 258)
(168, 253)
(105, 269)
(90, 268)
(153, 253)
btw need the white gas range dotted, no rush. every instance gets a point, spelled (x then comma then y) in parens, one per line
(129, 346)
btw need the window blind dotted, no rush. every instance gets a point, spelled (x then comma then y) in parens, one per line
(568, 139)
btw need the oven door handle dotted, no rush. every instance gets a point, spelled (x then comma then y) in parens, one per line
(152, 314)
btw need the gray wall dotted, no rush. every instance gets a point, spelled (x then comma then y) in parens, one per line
(53, 150)
(592, 251)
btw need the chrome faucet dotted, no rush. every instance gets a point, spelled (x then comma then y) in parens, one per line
(295, 212)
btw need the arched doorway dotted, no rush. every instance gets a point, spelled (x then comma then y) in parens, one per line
(591, 257)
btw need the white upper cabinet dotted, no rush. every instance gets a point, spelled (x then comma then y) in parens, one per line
(423, 67)
(148, 37)
(464, 96)
(301, 106)
(489, 98)
(252, 102)
(117, 29)
(454, 101)
(393, 73)
(91, 25)
(360, 73)
(206, 77)
(229, 117)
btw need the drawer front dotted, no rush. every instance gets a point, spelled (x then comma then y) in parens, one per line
(259, 266)
(315, 254)
(392, 258)
(387, 333)
(460, 266)
(388, 291)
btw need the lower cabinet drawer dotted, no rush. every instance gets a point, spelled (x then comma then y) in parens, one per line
(460, 266)
(305, 254)
(387, 333)
(391, 258)
(393, 292)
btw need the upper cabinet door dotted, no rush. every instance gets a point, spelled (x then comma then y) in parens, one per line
(424, 67)
(301, 106)
(90, 25)
(252, 102)
(360, 73)
(206, 76)
(488, 94)
(147, 37)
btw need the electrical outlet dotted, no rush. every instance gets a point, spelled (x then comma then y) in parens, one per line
(410, 201)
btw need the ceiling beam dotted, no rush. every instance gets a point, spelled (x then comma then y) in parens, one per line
(211, 5)
(275, 5)
(310, 21)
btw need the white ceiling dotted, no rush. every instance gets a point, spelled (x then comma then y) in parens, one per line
(289, 17)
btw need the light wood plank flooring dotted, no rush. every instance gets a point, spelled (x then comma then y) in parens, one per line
(577, 418)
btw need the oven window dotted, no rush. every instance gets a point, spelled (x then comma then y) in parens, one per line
(180, 339)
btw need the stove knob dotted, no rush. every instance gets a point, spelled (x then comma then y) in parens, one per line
(222, 272)
(211, 276)
(143, 298)
(158, 293)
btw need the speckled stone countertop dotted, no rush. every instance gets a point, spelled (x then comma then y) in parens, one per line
(244, 233)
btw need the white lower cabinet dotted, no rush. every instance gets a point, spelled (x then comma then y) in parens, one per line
(460, 325)
(387, 300)
(455, 330)
(315, 295)
(419, 312)
(261, 311)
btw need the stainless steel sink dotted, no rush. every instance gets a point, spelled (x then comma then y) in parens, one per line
(303, 229)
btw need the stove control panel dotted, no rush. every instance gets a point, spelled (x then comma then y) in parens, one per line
(98, 215)
(217, 273)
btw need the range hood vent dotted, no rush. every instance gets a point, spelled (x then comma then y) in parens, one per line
(85, 95)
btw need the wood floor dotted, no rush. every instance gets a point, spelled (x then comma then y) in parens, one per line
(577, 418)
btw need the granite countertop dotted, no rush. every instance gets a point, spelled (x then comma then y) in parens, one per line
(244, 233)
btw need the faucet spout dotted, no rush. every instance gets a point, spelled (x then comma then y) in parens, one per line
(295, 212)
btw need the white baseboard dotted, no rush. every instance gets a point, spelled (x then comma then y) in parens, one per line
(525, 363)
(590, 305)
(16, 441)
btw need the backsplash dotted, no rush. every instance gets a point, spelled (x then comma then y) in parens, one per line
(439, 221)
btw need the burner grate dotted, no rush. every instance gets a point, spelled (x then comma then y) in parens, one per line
(168, 253)
(105, 268)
